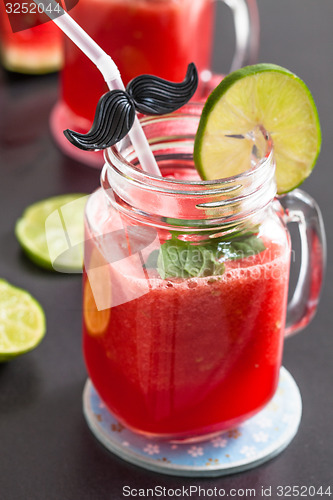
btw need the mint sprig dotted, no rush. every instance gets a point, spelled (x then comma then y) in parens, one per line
(183, 259)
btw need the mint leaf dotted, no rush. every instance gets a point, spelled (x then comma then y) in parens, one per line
(240, 248)
(172, 259)
(151, 262)
(201, 261)
(183, 259)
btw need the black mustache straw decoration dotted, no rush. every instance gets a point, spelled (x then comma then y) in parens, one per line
(115, 111)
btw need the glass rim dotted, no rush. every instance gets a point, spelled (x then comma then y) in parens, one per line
(116, 160)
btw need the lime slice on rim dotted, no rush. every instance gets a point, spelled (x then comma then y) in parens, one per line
(263, 95)
(51, 232)
(22, 321)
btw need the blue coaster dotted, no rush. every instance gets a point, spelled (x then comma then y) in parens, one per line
(255, 441)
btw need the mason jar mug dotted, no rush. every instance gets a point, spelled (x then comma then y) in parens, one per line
(186, 284)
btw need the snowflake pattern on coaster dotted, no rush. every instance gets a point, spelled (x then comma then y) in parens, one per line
(257, 440)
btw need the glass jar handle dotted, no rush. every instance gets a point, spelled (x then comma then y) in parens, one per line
(246, 21)
(302, 209)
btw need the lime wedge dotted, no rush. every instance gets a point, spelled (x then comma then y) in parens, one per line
(22, 321)
(97, 297)
(95, 320)
(51, 232)
(263, 95)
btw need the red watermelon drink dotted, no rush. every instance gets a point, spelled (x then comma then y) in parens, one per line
(185, 305)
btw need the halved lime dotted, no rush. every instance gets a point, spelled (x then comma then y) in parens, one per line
(263, 95)
(51, 232)
(22, 321)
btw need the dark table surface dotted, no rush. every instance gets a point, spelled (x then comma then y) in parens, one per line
(46, 449)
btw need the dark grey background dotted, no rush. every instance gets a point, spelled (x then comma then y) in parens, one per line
(46, 449)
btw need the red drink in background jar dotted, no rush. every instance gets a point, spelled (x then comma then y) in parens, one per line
(159, 37)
